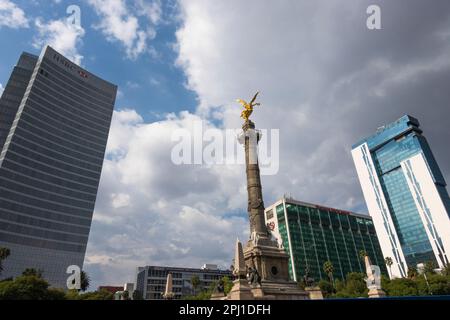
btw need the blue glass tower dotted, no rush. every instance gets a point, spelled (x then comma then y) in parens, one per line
(406, 195)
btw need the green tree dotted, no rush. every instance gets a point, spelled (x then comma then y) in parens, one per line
(429, 267)
(446, 270)
(95, 295)
(227, 284)
(412, 272)
(4, 253)
(85, 281)
(195, 281)
(388, 261)
(327, 288)
(137, 295)
(354, 286)
(362, 254)
(32, 272)
(126, 295)
(328, 268)
(401, 287)
(28, 287)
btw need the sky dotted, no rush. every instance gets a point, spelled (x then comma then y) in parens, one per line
(326, 82)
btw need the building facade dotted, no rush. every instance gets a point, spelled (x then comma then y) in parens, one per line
(151, 280)
(54, 124)
(406, 195)
(313, 234)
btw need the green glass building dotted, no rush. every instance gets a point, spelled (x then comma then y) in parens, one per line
(313, 234)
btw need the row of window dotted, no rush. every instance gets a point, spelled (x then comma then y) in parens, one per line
(54, 95)
(41, 233)
(72, 91)
(21, 169)
(43, 97)
(84, 147)
(50, 64)
(30, 221)
(37, 148)
(82, 219)
(53, 164)
(34, 113)
(11, 177)
(42, 243)
(43, 194)
(31, 200)
(81, 124)
(44, 142)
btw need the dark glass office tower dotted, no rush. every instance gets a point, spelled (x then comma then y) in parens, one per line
(54, 124)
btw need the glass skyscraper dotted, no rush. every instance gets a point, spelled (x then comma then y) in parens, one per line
(406, 195)
(312, 234)
(54, 124)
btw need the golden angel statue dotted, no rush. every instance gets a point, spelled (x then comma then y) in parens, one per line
(248, 107)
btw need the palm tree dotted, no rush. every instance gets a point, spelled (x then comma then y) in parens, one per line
(412, 272)
(32, 272)
(329, 269)
(388, 261)
(195, 281)
(362, 254)
(4, 253)
(85, 281)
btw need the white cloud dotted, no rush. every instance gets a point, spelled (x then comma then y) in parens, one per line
(317, 75)
(12, 16)
(62, 36)
(120, 200)
(121, 23)
(150, 211)
(1, 89)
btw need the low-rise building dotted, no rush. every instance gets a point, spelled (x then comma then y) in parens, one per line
(151, 280)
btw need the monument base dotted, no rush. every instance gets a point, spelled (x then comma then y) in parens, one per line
(272, 263)
(240, 291)
(314, 293)
(218, 296)
(376, 293)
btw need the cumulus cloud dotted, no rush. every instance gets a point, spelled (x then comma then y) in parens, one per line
(12, 16)
(120, 23)
(61, 35)
(150, 211)
(326, 81)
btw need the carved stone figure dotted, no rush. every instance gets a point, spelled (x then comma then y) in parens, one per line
(253, 276)
(307, 279)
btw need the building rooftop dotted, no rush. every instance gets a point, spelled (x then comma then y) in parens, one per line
(390, 131)
(317, 206)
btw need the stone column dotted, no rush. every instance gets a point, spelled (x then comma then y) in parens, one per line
(250, 139)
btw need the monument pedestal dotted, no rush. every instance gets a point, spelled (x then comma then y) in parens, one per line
(218, 296)
(376, 293)
(272, 264)
(240, 291)
(314, 293)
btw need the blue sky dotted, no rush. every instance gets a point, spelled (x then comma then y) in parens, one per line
(326, 82)
(151, 83)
